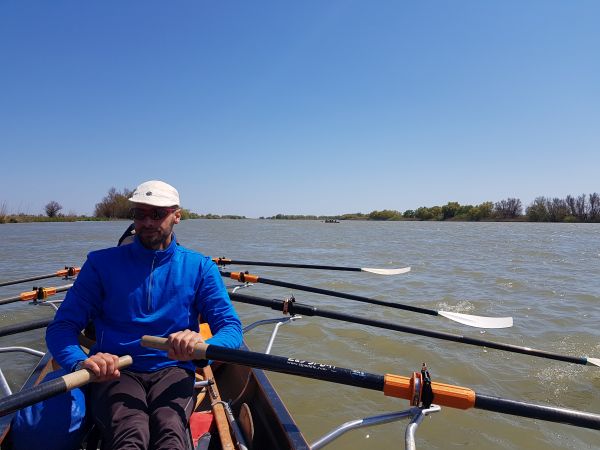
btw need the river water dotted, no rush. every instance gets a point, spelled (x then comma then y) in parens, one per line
(544, 275)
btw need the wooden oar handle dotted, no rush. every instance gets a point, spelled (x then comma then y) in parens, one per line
(84, 376)
(161, 343)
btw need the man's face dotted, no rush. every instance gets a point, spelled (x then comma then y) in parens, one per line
(154, 225)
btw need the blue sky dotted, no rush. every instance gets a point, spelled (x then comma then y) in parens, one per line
(304, 107)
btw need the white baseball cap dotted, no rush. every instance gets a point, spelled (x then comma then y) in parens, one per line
(155, 193)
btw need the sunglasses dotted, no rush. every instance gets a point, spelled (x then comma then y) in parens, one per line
(154, 213)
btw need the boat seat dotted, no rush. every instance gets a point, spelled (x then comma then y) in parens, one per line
(201, 425)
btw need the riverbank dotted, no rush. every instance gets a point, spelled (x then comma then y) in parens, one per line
(26, 218)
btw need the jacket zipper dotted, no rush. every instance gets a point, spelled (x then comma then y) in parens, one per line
(150, 286)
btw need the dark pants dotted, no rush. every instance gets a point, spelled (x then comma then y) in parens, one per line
(144, 410)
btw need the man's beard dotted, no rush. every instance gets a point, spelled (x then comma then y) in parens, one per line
(153, 238)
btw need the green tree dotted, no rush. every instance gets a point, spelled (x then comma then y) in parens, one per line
(423, 213)
(480, 212)
(187, 214)
(386, 214)
(114, 205)
(485, 210)
(436, 212)
(450, 210)
(463, 212)
(537, 212)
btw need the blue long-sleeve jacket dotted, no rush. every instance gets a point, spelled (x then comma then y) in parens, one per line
(130, 291)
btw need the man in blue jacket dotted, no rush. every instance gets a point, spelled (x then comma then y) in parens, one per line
(152, 286)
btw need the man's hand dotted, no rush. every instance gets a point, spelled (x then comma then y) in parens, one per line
(103, 365)
(181, 344)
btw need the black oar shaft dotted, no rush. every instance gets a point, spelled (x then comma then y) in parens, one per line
(25, 280)
(359, 298)
(293, 366)
(30, 396)
(308, 310)
(22, 327)
(291, 265)
(297, 367)
(66, 272)
(6, 301)
(547, 413)
(352, 377)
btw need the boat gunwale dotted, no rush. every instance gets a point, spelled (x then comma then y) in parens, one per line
(289, 428)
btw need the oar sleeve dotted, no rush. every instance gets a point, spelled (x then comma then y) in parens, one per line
(444, 394)
(244, 277)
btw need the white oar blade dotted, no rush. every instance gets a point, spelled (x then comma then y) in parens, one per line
(478, 321)
(386, 271)
(593, 362)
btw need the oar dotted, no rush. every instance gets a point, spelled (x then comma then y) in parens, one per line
(51, 388)
(40, 293)
(292, 308)
(66, 272)
(466, 319)
(22, 327)
(391, 385)
(218, 410)
(239, 262)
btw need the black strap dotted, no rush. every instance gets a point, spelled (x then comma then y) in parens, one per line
(427, 392)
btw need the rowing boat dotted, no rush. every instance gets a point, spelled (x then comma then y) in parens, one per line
(253, 415)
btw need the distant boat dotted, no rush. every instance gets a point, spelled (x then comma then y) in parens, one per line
(331, 221)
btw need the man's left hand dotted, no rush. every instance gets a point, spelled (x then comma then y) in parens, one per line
(182, 343)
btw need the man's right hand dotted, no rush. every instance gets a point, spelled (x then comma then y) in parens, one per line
(104, 365)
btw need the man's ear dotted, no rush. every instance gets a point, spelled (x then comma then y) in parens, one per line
(177, 216)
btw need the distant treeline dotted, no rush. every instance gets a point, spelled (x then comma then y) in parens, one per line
(26, 218)
(114, 206)
(216, 216)
(584, 208)
(304, 217)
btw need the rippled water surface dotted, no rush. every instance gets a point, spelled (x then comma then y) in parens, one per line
(544, 275)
